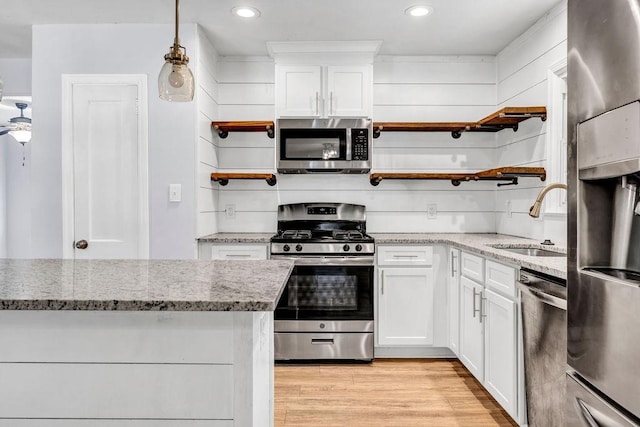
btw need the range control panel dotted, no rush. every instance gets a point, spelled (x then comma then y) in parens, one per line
(360, 144)
(321, 210)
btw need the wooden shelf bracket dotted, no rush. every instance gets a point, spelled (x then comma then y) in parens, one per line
(507, 176)
(223, 178)
(223, 128)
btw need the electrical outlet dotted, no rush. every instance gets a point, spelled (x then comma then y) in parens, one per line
(230, 211)
(432, 211)
(508, 209)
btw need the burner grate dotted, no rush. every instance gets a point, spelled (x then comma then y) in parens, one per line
(296, 234)
(348, 235)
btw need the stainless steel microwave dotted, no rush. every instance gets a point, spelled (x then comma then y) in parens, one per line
(323, 145)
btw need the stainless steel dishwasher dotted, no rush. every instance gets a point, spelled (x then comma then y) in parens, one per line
(544, 321)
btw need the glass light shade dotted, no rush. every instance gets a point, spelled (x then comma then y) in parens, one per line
(22, 136)
(176, 83)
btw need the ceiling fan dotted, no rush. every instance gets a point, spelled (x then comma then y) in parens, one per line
(18, 127)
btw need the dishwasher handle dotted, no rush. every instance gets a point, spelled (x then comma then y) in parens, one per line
(544, 297)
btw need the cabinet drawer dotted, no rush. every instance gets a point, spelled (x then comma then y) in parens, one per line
(230, 252)
(472, 266)
(405, 255)
(501, 278)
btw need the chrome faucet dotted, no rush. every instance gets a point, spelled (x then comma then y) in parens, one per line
(534, 211)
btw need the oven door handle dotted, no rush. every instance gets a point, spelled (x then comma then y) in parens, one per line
(328, 261)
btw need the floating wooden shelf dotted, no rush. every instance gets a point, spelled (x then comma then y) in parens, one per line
(223, 178)
(223, 128)
(508, 117)
(500, 174)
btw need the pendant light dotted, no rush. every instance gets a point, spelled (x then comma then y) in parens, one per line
(175, 82)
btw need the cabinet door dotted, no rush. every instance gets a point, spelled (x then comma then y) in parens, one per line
(454, 300)
(405, 306)
(349, 91)
(299, 91)
(471, 327)
(500, 373)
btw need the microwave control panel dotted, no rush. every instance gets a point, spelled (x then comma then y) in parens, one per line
(360, 144)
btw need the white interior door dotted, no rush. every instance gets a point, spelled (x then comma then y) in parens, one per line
(106, 149)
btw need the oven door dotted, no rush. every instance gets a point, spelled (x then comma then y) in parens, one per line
(328, 289)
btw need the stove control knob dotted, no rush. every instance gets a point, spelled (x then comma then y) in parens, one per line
(346, 248)
(286, 248)
(298, 248)
(358, 247)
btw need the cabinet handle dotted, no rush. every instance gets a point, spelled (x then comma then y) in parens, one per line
(382, 284)
(331, 103)
(454, 258)
(237, 255)
(475, 310)
(405, 256)
(317, 104)
(482, 299)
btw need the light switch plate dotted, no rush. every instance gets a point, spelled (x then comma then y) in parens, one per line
(175, 192)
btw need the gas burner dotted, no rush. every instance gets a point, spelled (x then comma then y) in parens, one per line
(296, 234)
(347, 235)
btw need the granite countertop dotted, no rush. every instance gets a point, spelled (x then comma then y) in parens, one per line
(237, 237)
(483, 244)
(142, 285)
(480, 243)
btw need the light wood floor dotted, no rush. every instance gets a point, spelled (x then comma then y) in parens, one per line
(387, 392)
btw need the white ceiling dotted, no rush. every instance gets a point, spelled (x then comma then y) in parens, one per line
(457, 27)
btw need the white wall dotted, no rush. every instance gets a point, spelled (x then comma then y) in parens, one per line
(15, 227)
(405, 89)
(522, 81)
(207, 149)
(113, 49)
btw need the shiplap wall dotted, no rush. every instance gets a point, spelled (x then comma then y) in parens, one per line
(522, 81)
(405, 89)
(207, 150)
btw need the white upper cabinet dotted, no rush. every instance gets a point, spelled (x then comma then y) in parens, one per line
(349, 91)
(324, 91)
(324, 79)
(299, 91)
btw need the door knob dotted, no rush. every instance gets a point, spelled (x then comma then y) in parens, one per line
(82, 244)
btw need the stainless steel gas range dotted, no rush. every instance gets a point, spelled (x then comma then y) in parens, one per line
(326, 310)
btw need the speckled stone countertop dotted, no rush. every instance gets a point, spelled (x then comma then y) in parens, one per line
(487, 245)
(142, 285)
(237, 237)
(482, 244)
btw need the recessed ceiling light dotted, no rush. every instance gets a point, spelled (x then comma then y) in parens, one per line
(419, 10)
(246, 12)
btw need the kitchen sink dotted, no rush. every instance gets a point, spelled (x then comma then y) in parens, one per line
(537, 252)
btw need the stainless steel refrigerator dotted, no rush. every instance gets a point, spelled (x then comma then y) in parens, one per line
(603, 310)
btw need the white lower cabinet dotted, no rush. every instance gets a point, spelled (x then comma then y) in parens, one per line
(489, 332)
(471, 328)
(500, 343)
(405, 306)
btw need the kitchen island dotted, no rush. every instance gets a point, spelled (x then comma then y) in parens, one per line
(138, 342)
